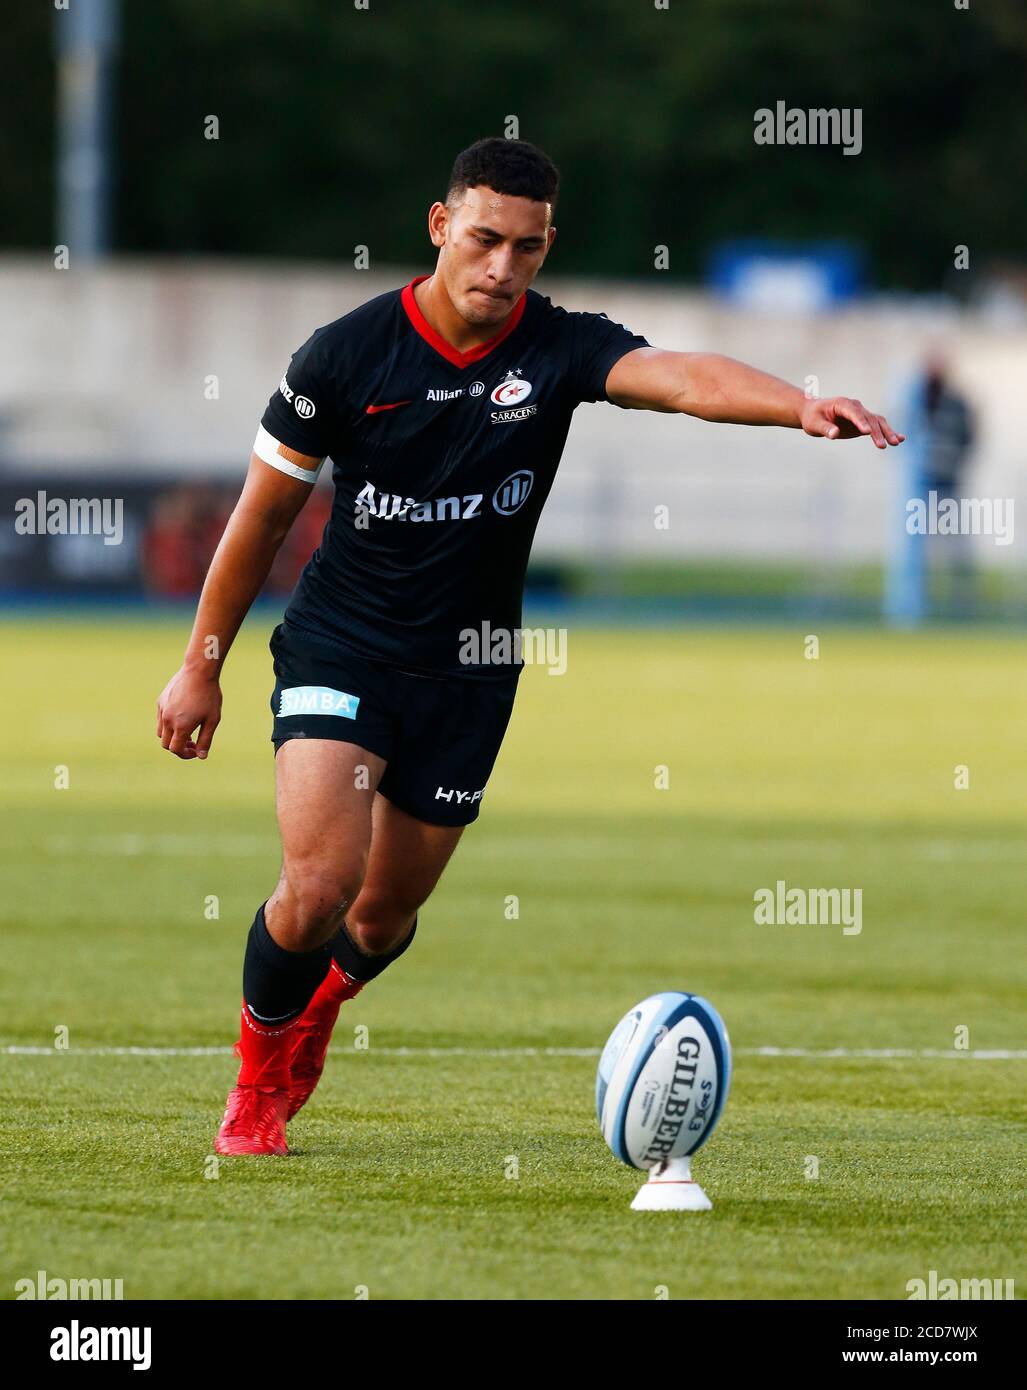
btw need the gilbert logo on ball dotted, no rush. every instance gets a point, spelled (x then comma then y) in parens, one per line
(662, 1083)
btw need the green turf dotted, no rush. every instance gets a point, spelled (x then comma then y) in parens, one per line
(837, 772)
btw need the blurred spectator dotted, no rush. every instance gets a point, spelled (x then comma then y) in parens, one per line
(186, 522)
(184, 528)
(951, 433)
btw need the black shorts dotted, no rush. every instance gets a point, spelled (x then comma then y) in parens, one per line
(440, 737)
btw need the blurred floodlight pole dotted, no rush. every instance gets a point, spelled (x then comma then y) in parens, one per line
(905, 589)
(86, 43)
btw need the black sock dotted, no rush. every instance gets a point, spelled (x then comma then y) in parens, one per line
(277, 984)
(358, 964)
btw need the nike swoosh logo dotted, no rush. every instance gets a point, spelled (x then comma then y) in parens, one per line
(374, 409)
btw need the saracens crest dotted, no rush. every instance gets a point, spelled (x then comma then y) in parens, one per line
(512, 390)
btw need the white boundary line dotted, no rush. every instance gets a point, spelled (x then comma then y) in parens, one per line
(918, 1054)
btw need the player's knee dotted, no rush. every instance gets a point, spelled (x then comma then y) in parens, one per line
(320, 899)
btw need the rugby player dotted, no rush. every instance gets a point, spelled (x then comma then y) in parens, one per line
(444, 407)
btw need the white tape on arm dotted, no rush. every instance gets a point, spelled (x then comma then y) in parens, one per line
(265, 446)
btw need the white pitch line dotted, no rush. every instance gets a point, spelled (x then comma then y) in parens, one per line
(18, 1051)
(980, 1054)
(135, 845)
(929, 1053)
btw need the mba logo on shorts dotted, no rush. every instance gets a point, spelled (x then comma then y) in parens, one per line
(317, 699)
(511, 495)
(512, 390)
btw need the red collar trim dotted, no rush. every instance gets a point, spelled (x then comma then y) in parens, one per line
(447, 350)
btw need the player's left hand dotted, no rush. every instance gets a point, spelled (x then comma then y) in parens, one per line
(838, 417)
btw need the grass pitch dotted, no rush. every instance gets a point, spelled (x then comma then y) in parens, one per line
(446, 1159)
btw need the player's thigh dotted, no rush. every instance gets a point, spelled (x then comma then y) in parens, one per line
(448, 742)
(324, 792)
(406, 861)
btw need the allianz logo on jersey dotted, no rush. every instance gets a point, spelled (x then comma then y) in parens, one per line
(303, 405)
(509, 497)
(440, 393)
(510, 394)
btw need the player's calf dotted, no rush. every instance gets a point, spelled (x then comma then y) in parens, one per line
(351, 969)
(376, 926)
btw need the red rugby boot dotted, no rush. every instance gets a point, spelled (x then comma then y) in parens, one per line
(258, 1105)
(254, 1121)
(313, 1032)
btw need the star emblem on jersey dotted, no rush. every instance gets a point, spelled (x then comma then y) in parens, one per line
(512, 390)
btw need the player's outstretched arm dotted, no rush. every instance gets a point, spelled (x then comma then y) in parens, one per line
(712, 387)
(268, 505)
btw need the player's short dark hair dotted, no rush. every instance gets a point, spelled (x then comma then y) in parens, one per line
(514, 167)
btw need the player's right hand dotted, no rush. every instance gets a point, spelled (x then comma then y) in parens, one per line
(190, 700)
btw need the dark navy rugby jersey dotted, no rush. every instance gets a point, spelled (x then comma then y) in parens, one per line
(442, 462)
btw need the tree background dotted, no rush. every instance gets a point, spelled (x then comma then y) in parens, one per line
(338, 126)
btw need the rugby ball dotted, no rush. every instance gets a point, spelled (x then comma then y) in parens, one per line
(663, 1079)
